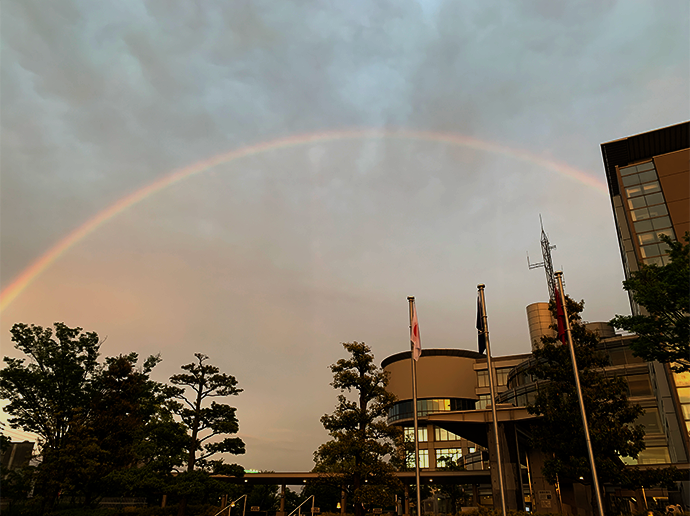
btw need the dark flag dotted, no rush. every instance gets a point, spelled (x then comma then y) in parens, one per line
(560, 317)
(481, 329)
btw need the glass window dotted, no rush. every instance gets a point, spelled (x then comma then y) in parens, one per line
(661, 222)
(628, 170)
(647, 238)
(651, 422)
(686, 411)
(483, 378)
(657, 260)
(502, 375)
(484, 400)
(642, 226)
(454, 454)
(658, 210)
(630, 180)
(641, 214)
(650, 175)
(650, 188)
(682, 379)
(645, 166)
(423, 459)
(422, 434)
(668, 232)
(637, 202)
(639, 385)
(650, 250)
(684, 394)
(655, 198)
(663, 248)
(441, 434)
(654, 456)
(633, 191)
(425, 407)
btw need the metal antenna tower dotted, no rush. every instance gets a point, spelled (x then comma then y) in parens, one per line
(547, 264)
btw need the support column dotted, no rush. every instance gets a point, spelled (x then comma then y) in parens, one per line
(509, 480)
(281, 512)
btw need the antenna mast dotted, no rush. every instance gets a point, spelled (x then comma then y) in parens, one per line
(547, 264)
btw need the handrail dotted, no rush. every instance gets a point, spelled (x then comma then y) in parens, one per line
(232, 504)
(305, 501)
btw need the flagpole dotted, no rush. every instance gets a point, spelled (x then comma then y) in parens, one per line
(489, 365)
(595, 479)
(410, 299)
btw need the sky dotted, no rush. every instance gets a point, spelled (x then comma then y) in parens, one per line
(391, 149)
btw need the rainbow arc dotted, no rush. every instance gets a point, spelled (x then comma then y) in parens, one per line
(29, 274)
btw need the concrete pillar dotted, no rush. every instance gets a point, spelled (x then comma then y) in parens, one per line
(281, 512)
(508, 454)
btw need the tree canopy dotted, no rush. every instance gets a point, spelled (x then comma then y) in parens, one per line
(204, 422)
(611, 418)
(94, 421)
(355, 457)
(663, 334)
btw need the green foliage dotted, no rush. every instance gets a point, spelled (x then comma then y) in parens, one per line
(559, 432)
(204, 422)
(361, 438)
(664, 334)
(103, 428)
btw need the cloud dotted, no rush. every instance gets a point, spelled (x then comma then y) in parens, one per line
(287, 253)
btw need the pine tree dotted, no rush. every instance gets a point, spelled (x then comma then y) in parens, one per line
(356, 457)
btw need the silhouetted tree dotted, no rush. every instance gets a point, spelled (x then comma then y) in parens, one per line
(559, 432)
(355, 458)
(203, 421)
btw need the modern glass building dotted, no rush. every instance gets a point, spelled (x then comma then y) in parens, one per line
(454, 418)
(648, 177)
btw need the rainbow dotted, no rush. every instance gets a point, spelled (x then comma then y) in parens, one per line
(39, 266)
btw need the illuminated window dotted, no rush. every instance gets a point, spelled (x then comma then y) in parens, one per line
(483, 378)
(423, 459)
(501, 376)
(422, 434)
(657, 455)
(484, 401)
(441, 434)
(449, 454)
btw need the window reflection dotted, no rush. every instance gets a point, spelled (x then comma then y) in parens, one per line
(423, 459)
(422, 434)
(445, 455)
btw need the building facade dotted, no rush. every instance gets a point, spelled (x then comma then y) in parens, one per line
(455, 421)
(648, 176)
